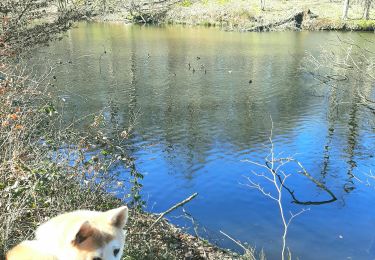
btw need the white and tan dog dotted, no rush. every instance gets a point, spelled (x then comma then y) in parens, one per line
(78, 235)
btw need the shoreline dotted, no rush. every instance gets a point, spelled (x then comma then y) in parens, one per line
(319, 25)
(247, 17)
(172, 240)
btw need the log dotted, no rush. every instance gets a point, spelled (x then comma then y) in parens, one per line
(297, 18)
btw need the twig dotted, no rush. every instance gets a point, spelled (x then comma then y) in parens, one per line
(235, 241)
(248, 252)
(171, 209)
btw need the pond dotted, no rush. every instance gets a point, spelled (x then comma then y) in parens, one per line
(205, 101)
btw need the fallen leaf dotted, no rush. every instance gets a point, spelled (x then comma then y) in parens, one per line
(13, 116)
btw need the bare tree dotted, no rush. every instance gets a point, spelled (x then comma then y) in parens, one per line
(149, 11)
(345, 10)
(275, 174)
(366, 10)
(23, 27)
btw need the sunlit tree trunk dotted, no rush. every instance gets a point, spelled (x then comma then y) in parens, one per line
(104, 6)
(367, 6)
(262, 5)
(345, 10)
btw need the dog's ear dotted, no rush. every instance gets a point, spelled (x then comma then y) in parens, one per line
(118, 217)
(84, 232)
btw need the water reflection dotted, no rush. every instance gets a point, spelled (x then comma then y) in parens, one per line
(198, 118)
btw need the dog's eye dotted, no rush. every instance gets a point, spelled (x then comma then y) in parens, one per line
(116, 251)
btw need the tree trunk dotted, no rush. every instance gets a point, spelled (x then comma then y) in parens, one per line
(366, 12)
(262, 5)
(345, 10)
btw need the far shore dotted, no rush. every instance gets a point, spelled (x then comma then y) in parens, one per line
(247, 16)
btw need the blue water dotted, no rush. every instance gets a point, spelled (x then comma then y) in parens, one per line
(197, 124)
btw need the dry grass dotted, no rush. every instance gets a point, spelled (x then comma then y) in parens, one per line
(166, 241)
(243, 14)
(44, 169)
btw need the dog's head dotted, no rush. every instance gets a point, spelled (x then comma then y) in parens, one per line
(101, 237)
(78, 235)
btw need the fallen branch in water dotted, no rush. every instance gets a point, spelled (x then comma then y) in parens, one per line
(248, 253)
(171, 209)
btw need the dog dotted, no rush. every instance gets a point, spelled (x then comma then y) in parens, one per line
(77, 235)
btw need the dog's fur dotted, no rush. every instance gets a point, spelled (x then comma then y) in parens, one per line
(78, 235)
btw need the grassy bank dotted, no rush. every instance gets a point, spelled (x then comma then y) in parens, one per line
(247, 15)
(237, 15)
